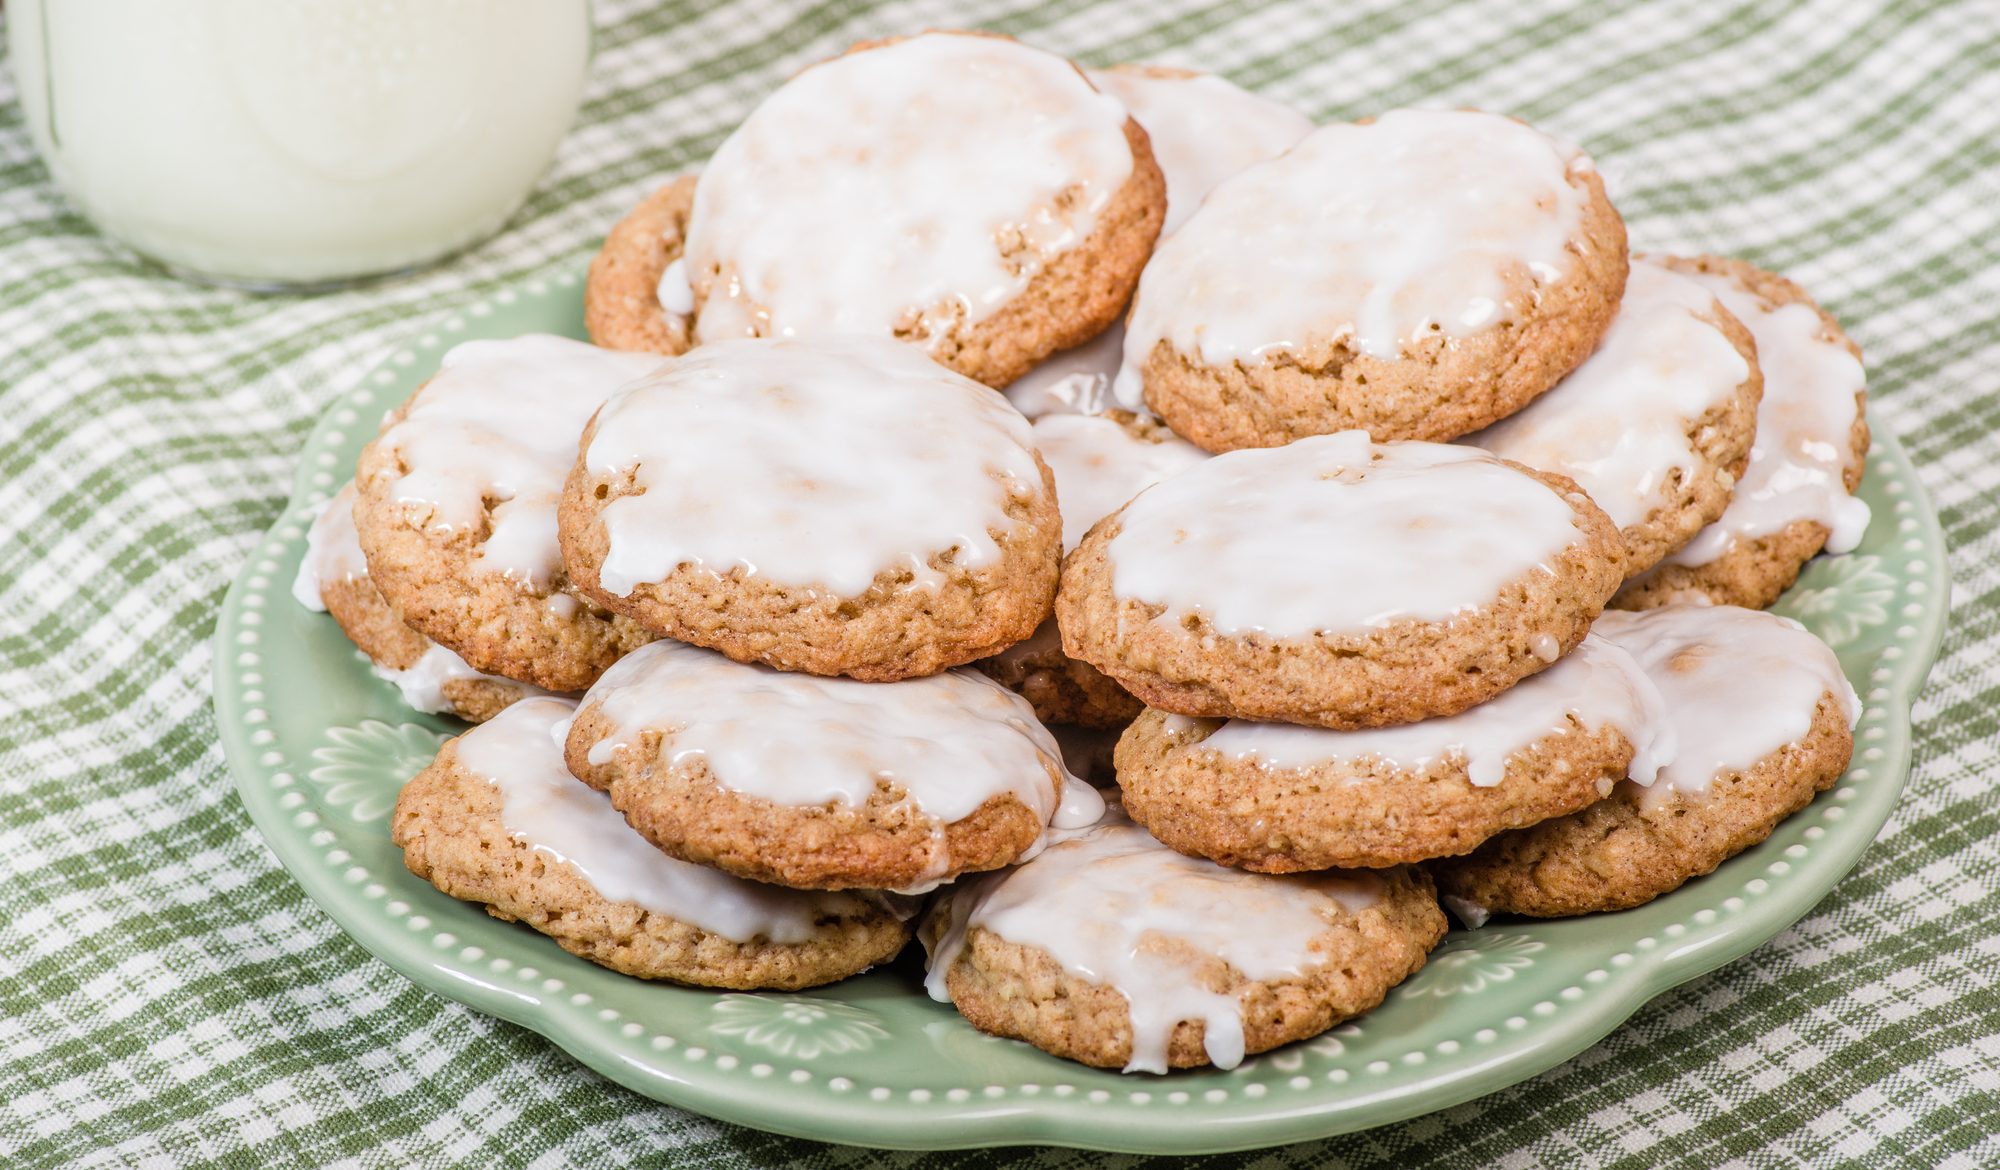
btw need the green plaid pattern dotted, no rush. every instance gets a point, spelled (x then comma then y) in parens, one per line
(168, 996)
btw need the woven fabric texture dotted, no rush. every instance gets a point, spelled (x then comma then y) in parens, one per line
(168, 995)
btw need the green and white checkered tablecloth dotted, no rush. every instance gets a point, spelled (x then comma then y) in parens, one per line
(167, 994)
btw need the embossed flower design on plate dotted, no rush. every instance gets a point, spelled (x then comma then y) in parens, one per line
(1839, 597)
(797, 1025)
(1471, 964)
(363, 767)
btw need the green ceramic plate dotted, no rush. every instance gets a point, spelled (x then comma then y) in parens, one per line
(319, 748)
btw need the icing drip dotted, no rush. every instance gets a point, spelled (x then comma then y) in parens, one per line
(499, 421)
(554, 813)
(1410, 531)
(1204, 129)
(1422, 222)
(1597, 685)
(1620, 424)
(901, 190)
(949, 742)
(676, 296)
(1109, 903)
(1099, 465)
(333, 550)
(1802, 447)
(1738, 684)
(422, 682)
(813, 464)
(1471, 913)
(1075, 381)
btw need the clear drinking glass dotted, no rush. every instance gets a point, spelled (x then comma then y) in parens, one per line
(288, 144)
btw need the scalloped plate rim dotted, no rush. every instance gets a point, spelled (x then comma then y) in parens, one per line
(1070, 1121)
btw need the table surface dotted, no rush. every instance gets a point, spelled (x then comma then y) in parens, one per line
(167, 994)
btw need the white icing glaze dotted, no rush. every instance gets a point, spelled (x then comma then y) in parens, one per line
(333, 550)
(1336, 534)
(1099, 465)
(1596, 686)
(950, 742)
(1803, 424)
(1469, 912)
(1619, 425)
(1102, 901)
(553, 812)
(500, 421)
(809, 463)
(422, 682)
(927, 180)
(1203, 128)
(1075, 381)
(675, 294)
(1739, 684)
(1418, 222)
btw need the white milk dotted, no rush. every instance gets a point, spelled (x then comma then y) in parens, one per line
(303, 142)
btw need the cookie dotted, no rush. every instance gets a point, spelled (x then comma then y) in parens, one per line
(637, 295)
(1338, 582)
(1115, 951)
(333, 579)
(1419, 276)
(962, 192)
(1203, 129)
(837, 506)
(1099, 462)
(1277, 798)
(1762, 716)
(497, 819)
(1796, 496)
(1063, 691)
(456, 510)
(821, 782)
(1657, 424)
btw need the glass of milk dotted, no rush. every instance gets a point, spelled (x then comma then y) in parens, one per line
(291, 144)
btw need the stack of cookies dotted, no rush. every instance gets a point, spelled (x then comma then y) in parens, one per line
(1320, 457)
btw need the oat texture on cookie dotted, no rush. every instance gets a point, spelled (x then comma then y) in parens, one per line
(1110, 949)
(1657, 424)
(1762, 716)
(822, 782)
(498, 819)
(456, 507)
(1338, 582)
(333, 579)
(965, 193)
(837, 506)
(1795, 496)
(1419, 275)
